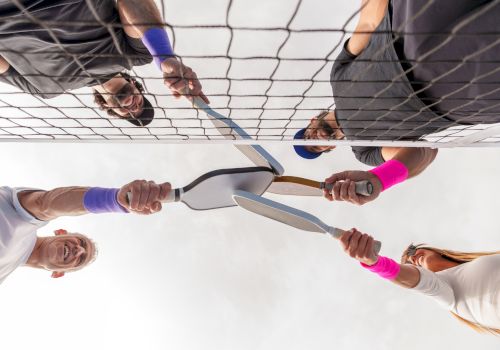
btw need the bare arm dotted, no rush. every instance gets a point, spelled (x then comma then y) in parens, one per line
(49, 205)
(360, 247)
(134, 13)
(415, 159)
(4, 65)
(372, 13)
(68, 201)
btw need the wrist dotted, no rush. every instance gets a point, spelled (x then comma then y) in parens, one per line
(384, 267)
(390, 173)
(99, 200)
(158, 44)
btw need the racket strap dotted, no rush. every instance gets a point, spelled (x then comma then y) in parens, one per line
(99, 200)
(158, 44)
(390, 173)
(384, 267)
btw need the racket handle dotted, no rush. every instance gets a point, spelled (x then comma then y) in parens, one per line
(337, 233)
(171, 196)
(364, 188)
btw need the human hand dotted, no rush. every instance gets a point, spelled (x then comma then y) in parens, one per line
(181, 80)
(359, 246)
(145, 196)
(344, 188)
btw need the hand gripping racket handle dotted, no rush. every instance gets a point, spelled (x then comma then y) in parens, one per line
(172, 196)
(337, 233)
(364, 188)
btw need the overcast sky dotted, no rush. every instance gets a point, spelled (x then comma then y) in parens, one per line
(228, 279)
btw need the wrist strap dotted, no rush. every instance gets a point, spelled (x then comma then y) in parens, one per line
(390, 173)
(157, 42)
(99, 200)
(384, 267)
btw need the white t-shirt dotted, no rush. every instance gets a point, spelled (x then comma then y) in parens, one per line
(470, 290)
(17, 231)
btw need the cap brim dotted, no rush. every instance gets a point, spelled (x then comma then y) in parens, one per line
(147, 115)
(301, 150)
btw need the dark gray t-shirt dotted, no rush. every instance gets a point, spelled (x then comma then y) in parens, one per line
(83, 52)
(376, 100)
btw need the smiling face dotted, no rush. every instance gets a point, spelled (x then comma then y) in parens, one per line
(68, 252)
(431, 260)
(127, 101)
(320, 128)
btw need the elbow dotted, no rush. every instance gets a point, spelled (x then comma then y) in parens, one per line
(42, 208)
(425, 157)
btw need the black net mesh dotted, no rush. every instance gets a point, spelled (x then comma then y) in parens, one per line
(264, 64)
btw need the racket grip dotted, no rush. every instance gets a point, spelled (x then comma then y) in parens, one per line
(364, 188)
(337, 233)
(170, 197)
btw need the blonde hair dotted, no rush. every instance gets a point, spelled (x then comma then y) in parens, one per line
(461, 258)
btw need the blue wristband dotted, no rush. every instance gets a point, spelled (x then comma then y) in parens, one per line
(99, 200)
(157, 42)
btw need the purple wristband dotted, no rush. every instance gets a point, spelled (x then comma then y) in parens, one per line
(157, 42)
(384, 267)
(99, 200)
(390, 173)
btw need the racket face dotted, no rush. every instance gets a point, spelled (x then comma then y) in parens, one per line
(215, 189)
(279, 212)
(230, 130)
(295, 186)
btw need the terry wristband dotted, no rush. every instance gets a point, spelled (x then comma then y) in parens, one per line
(390, 173)
(99, 200)
(384, 267)
(157, 42)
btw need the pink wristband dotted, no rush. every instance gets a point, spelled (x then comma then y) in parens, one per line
(384, 267)
(390, 173)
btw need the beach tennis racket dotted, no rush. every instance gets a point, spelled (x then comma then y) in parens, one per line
(299, 186)
(288, 215)
(230, 130)
(215, 189)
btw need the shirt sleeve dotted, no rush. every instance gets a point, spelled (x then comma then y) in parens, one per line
(432, 285)
(12, 77)
(21, 211)
(369, 155)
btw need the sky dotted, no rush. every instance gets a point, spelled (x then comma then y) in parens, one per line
(227, 278)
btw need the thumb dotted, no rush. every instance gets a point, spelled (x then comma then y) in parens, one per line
(337, 177)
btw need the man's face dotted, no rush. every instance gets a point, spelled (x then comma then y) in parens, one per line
(127, 101)
(318, 129)
(68, 252)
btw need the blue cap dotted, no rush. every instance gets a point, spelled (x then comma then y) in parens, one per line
(301, 150)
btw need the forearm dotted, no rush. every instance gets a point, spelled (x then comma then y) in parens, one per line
(371, 14)
(48, 205)
(408, 276)
(138, 16)
(4, 65)
(416, 159)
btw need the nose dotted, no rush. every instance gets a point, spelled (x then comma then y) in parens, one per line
(79, 250)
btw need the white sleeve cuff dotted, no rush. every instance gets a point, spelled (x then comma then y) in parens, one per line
(23, 212)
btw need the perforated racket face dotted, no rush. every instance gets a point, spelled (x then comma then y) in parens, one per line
(280, 212)
(215, 189)
(295, 186)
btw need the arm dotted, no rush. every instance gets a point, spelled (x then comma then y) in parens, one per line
(179, 78)
(360, 247)
(415, 159)
(135, 12)
(69, 201)
(4, 65)
(371, 14)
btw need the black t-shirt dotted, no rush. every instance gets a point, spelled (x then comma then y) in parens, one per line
(73, 52)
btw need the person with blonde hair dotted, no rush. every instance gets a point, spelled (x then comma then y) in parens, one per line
(466, 284)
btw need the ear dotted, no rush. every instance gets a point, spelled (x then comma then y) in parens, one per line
(57, 274)
(60, 232)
